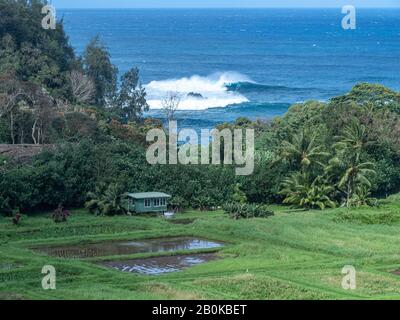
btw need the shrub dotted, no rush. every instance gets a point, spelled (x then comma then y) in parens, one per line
(60, 215)
(17, 219)
(238, 211)
(362, 198)
(239, 196)
(394, 198)
(203, 203)
(178, 203)
(299, 192)
(105, 200)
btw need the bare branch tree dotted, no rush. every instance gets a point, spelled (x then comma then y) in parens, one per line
(83, 88)
(12, 91)
(170, 104)
(43, 110)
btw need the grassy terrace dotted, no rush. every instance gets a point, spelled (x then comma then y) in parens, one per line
(294, 254)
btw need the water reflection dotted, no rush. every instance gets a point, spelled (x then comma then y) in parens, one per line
(112, 248)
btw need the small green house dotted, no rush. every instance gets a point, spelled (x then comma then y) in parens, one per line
(145, 202)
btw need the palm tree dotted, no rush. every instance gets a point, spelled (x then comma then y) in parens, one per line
(355, 176)
(352, 143)
(105, 201)
(362, 197)
(353, 139)
(298, 191)
(303, 150)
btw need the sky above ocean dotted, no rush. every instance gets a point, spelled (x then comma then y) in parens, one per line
(220, 3)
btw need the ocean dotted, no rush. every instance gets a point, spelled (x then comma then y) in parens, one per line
(255, 63)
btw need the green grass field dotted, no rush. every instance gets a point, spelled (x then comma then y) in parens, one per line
(293, 255)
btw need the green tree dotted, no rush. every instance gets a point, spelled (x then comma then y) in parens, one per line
(377, 95)
(315, 195)
(355, 173)
(105, 201)
(355, 177)
(178, 203)
(303, 151)
(353, 140)
(98, 66)
(238, 195)
(33, 53)
(132, 97)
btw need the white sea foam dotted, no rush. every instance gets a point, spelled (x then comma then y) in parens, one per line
(212, 89)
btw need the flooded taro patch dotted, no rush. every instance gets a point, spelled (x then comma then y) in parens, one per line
(161, 265)
(182, 221)
(112, 248)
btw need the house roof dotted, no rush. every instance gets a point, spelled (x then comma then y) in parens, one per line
(147, 195)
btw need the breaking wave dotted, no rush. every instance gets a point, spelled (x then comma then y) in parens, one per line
(221, 90)
(197, 92)
(245, 87)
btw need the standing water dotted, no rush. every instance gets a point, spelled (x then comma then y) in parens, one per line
(112, 248)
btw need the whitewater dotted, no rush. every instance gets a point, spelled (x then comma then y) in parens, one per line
(198, 92)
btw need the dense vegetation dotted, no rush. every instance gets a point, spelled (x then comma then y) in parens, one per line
(341, 152)
(345, 152)
(47, 93)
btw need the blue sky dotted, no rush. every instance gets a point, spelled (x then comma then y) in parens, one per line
(219, 3)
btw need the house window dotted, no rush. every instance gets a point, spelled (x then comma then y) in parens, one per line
(147, 203)
(163, 202)
(156, 202)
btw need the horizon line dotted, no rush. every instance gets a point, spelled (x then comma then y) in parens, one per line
(238, 7)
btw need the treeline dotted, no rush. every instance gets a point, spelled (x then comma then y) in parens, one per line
(319, 155)
(67, 176)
